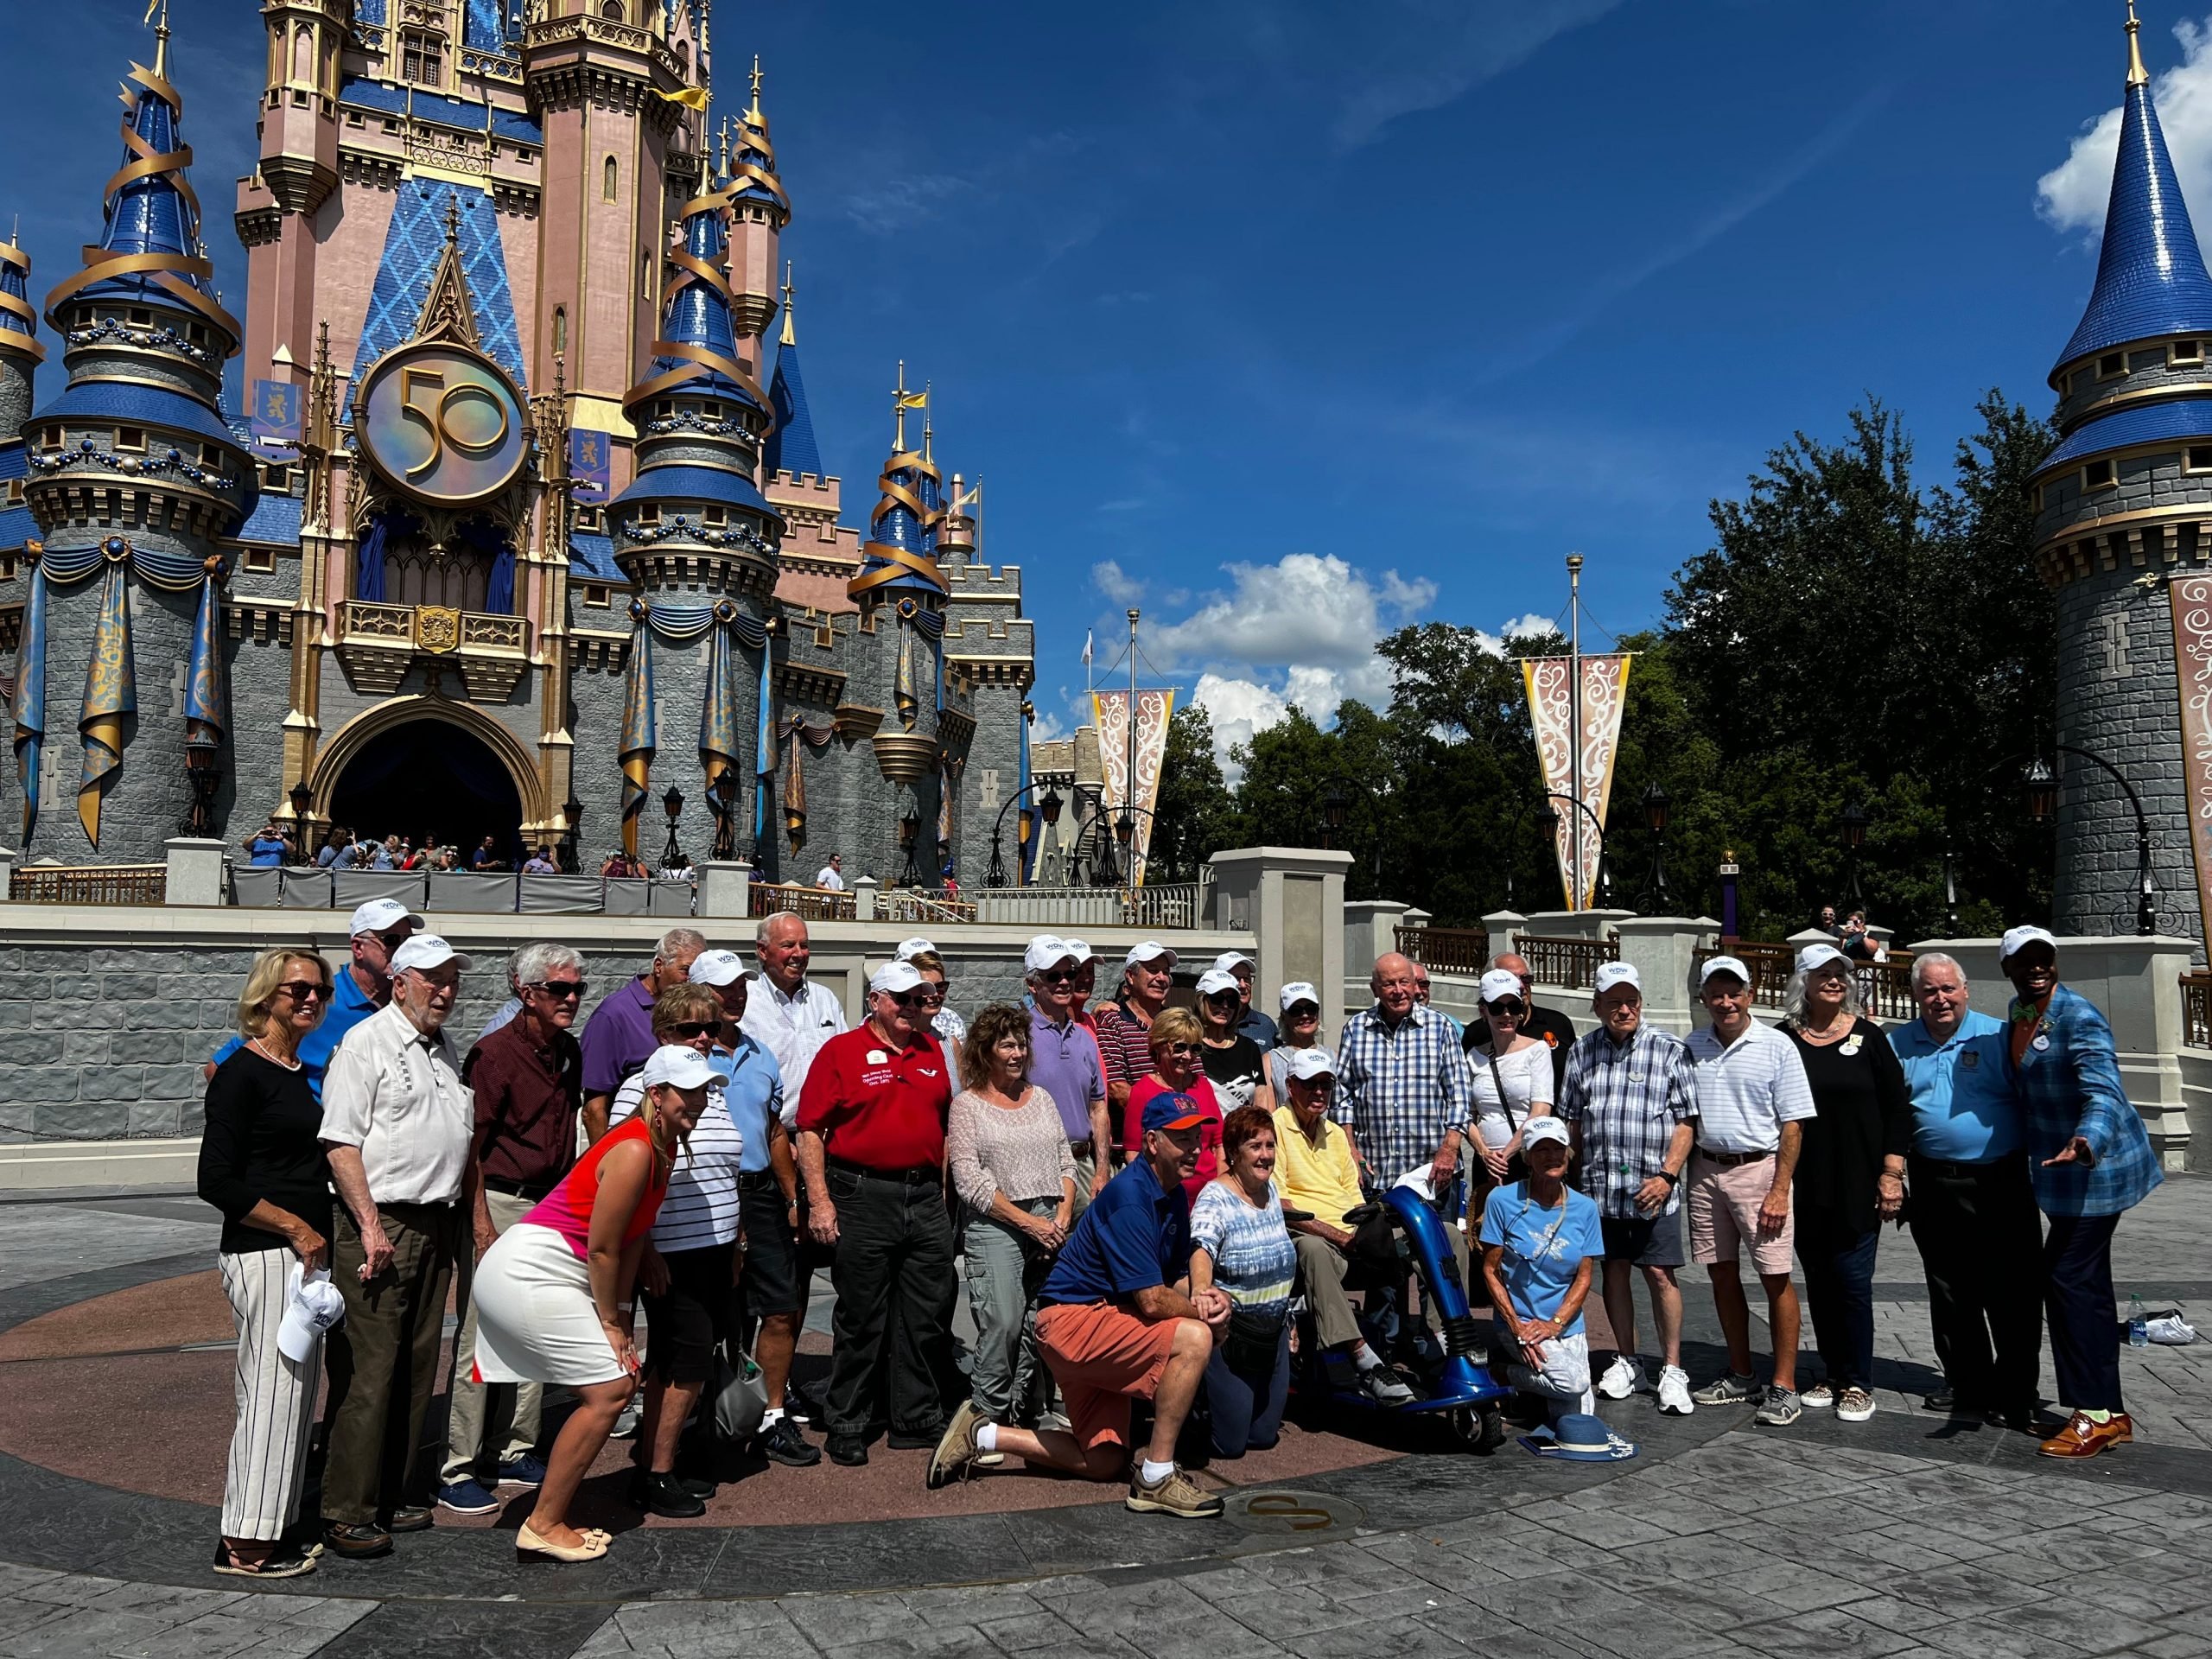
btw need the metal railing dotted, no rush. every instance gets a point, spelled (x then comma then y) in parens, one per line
(1884, 988)
(1176, 904)
(813, 904)
(918, 908)
(90, 884)
(2197, 1009)
(1446, 949)
(1568, 964)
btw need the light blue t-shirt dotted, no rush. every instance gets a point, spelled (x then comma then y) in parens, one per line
(1543, 1248)
(753, 1097)
(1962, 1106)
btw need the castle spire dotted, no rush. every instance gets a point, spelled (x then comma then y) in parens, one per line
(18, 320)
(790, 446)
(161, 35)
(2152, 280)
(895, 558)
(790, 336)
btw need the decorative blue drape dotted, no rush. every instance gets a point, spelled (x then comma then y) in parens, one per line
(499, 585)
(679, 625)
(206, 695)
(718, 749)
(639, 726)
(368, 560)
(764, 760)
(31, 699)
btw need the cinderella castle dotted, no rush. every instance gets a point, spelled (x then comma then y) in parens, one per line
(515, 524)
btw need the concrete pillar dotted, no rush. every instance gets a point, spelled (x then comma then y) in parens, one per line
(1661, 950)
(725, 887)
(1292, 899)
(1506, 927)
(864, 898)
(1370, 928)
(195, 870)
(1573, 924)
(8, 857)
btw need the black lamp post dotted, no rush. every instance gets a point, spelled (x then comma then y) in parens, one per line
(1048, 808)
(671, 803)
(2039, 790)
(303, 819)
(1854, 821)
(721, 801)
(1655, 804)
(572, 820)
(1334, 806)
(909, 827)
(201, 749)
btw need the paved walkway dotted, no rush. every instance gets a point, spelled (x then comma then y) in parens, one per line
(1904, 1537)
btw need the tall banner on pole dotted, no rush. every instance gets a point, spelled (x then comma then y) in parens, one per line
(2192, 603)
(1111, 711)
(1562, 752)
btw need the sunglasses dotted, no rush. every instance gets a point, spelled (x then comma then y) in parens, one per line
(692, 1029)
(1180, 1048)
(393, 941)
(1060, 975)
(561, 990)
(917, 999)
(305, 990)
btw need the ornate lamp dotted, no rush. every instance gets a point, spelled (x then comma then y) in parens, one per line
(201, 749)
(672, 804)
(572, 816)
(1334, 806)
(910, 828)
(1655, 819)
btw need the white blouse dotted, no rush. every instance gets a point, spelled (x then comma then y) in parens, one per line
(1527, 1073)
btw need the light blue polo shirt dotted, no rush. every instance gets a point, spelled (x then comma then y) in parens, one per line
(1962, 1106)
(753, 1096)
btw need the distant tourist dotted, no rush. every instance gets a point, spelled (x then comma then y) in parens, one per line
(832, 874)
(487, 858)
(337, 848)
(1854, 941)
(541, 863)
(267, 847)
(677, 869)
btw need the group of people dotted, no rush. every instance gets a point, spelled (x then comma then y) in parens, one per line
(1140, 1194)
(278, 843)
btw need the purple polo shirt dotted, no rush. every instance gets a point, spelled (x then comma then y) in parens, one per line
(618, 1038)
(1064, 1063)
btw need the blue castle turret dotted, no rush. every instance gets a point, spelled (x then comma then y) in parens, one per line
(20, 351)
(2123, 504)
(791, 447)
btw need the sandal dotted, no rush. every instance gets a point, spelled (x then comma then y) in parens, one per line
(285, 1562)
(528, 1543)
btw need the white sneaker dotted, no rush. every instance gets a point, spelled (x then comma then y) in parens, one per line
(1623, 1377)
(1675, 1392)
(1819, 1397)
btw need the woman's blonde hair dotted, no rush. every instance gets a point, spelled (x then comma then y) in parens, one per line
(682, 1005)
(265, 976)
(1173, 1025)
(926, 961)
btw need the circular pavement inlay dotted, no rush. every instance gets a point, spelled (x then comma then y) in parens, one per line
(1305, 1516)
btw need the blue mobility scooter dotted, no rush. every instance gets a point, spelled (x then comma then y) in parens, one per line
(1448, 1379)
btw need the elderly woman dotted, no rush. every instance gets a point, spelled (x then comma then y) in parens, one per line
(1177, 1070)
(553, 1295)
(1513, 1081)
(261, 1164)
(1233, 1062)
(1850, 1169)
(1240, 1246)
(1301, 1029)
(947, 1026)
(1009, 1161)
(688, 1269)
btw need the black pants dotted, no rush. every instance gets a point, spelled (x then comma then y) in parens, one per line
(1838, 1266)
(895, 1283)
(2084, 1314)
(1980, 1244)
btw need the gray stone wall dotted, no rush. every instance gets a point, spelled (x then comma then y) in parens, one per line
(2148, 369)
(15, 394)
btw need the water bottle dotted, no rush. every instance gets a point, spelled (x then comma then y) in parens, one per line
(2138, 1327)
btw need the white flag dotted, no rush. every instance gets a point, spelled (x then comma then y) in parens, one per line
(1086, 649)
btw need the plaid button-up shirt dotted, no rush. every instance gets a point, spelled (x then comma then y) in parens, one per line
(1627, 1098)
(1398, 1089)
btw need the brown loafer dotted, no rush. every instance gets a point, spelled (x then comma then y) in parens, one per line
(2082, 1438)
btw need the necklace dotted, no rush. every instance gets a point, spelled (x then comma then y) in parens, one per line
(270, 1055)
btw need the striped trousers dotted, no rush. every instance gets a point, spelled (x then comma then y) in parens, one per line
(276, 1401)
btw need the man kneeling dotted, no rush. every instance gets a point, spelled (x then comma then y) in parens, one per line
(1540, 1238)
(1116, 1323)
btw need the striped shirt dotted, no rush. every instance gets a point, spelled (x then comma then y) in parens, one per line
(1124, 1044)
(701, 1209)
(1627, 1098)
(1255, 1263)
(1747, 1089)
(1402, 1089)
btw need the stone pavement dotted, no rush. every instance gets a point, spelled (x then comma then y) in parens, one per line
(1904, 1537)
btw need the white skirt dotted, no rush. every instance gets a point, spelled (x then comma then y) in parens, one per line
(535, 1319)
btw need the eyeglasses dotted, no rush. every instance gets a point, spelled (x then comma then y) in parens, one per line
(304, 990)
(561, 990)
(690, 1030)
(1180, 1048)
(392, 941)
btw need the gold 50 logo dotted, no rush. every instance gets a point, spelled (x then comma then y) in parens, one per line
(443, 423)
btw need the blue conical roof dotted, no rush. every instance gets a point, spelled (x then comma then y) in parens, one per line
(2150, 275)
(16, 284)
(699, 316)
(791, 447)
(153, 214)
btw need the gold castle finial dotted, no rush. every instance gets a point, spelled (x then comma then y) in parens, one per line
(721, 151)
(161, 35)
(899, 406)
(453, 219)
(927, 418)
(790, 336)
(755, 109)
(2137, 75)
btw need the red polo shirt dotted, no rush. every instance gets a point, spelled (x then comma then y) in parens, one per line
(876, 1106)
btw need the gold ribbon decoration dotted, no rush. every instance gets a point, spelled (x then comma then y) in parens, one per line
(111, 691)
(695, 362)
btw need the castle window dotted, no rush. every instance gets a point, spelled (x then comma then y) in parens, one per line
(142, 318)
(712, 411)
(210, 455)
(715, 516)
(422, 59)
(261, 558)
(595, 595)
(2185, 351)
(2111, 365)
(277, 479)
(53, 438)
(2099, 475)
(131, 438)
(665, 408)
(392, 126)
(612, 11)
(2197, 458)
(560, 329)
(610, 181)
(644, 277)
(592, 519)
(649, 515)
(354, 119)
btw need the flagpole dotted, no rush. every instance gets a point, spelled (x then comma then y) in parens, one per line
(1129, 779)
(1574, 692)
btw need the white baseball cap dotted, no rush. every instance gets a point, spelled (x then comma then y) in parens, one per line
(1306, 1064)
(1723, 965)
(380, 914)
(673, 1064)
(1819, 955)
(1299, 991)
(909, 948)
(314, 1307)
(2018, 939)
(896, 978)
(1536, 1130)
(1044, 950)
(1610, 973)
(717, 968)
(1078, 950)
(1214, 982)
(1149, 950)
(1229, 960)
(428, 950)
(1498, 984)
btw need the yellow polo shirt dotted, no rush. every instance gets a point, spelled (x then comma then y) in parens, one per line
(1322, 1180)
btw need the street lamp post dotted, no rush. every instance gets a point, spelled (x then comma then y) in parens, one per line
(1334, 806)
(671, 803)
(303, 819)
(2039, 790)
(1854, 821)
(201, 749)
(910, 826)
(572, 821)
(1547, 817)
(1048, 808)
(1655, 804)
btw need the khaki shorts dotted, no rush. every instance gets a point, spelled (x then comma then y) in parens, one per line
(1723, 1207)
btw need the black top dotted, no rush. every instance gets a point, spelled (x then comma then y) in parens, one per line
(262, 1140)
(1544, 1024)
(1233, 1071)
(1864, 1114)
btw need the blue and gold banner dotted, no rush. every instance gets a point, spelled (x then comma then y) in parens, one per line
(718, 749)
(278, 409)
(30, 699)
(111, 694)
(591, 464)
(638, 729)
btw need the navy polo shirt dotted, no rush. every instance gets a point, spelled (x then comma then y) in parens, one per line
(1132, 1237)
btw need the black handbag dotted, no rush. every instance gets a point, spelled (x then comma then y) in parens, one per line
(1250, 1344)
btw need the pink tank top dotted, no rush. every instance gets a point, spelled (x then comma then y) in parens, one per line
(567, 1208)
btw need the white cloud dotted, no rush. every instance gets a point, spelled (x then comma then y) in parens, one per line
(1530, 626)
(1107, 576)
(1430, 54)
(1304, 608)
(1238, 708)
(2073, 195)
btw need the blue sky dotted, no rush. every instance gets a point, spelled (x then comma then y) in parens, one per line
(1288, 322)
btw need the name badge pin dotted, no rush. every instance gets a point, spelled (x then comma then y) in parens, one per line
(2040, 1043)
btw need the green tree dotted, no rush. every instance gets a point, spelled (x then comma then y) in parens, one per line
(1193, 813)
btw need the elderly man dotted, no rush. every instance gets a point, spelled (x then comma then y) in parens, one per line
(1421, 993)
(1549, 1024)
(1752, 1097)
(1316, 1174)
(871, 1151)
(1124, 1026)
(1251, 1023)
(1629, 1102)
(398, 1128)
(1403, 1087)
(378, 928)
(1117, 1322)
(788, 1013)
(2093, 1163)
(1974, 1201)
(527, 1079)
(618, 1036)
(1064, 1061)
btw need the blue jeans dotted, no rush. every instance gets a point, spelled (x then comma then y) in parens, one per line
(1244, 1408)
(1839, 1284)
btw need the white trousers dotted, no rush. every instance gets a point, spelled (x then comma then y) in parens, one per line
(276, 1401)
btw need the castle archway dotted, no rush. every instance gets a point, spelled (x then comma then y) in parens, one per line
(425, 767)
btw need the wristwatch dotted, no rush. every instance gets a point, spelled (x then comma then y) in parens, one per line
(1670, 1177)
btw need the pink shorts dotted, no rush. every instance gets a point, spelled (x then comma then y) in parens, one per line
(1723, 1207)
(1102, 1358)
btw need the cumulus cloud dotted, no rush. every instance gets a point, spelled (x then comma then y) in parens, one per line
(1238, 708)
(1530, 626)
(1304, 608)
(1116, 584)
(2072, 196)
